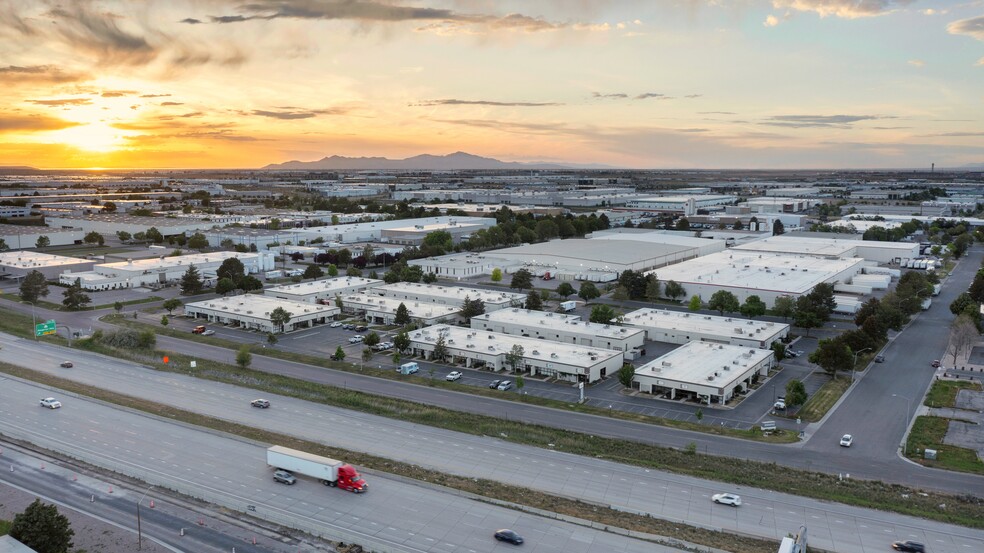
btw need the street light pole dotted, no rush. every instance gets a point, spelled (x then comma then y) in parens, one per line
(908, 405)
(139, 533)
(854, 367)
(34, 319)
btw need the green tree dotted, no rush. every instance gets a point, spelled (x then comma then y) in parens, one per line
(199, 242)
(191, 281)
(805, 316)
(33, 286)
(652, 288)
(332, 271)
(353, 271)
(42, 528)
(621, 293)
(795, 393)
(75, 297)
(588, 291)
(224, 286)
(472, 308)
(429, 278)
(372, 339)
(784, 306)
(280, 317)
(682, 224)
(272, 338)
(778, 350)
(124, 236)
(438, 242)
(313, 271)
(533, 301)
(118, 307)
(339, 303)
(723, 301)
(366, 354)
(626, 374)
(695, 303)
(497, 275)
(515, 357)
(94, 238)
(339, 354)
(674, 290)
(154, 235)
(603, 314)
(164, 321)
(232, 269)
(401, 342)
(565, 290)
(778, 228)
(833, 355)
(403, 314)
(171, 304)
(3, 245)
(43, 242)
(522, 280)
(753, 307)
(243, 357)
(440, 348)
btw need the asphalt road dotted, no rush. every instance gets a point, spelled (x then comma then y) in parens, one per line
(395, 515)
(764, 513)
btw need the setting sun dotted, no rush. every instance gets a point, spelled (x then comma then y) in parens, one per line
(94, 137)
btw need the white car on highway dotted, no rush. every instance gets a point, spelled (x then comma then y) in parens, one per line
(50, 403)
(727, 499)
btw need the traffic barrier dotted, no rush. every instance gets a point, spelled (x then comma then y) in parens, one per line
(151, 503)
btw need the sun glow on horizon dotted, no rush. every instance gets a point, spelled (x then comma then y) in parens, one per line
(98, 137)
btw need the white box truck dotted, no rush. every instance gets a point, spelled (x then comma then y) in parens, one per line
(330, 471)
(568, 305)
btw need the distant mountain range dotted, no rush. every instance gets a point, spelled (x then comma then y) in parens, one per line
(425, 162)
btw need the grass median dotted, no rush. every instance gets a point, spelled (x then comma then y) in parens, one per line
(817, 406)
(944, 392)
(928, 433)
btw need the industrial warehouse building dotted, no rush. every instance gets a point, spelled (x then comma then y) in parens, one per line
(680, 204)
(676, 327)
(324, 290)
(19, 263)
(252, 312)
(704, 371)
(870, 250)
(481, 348)
(111, 223)
(381, 310)
(558, 327)
(19, 237)
(453, 296)
(373, 231)
(765, 275)
(160, 271)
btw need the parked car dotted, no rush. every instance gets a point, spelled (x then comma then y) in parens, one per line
(847, 440)
(356, 339)
(50, 403)
(261, 403)
(879, 359)
(67, 364)
(504, 385)
(348, 326)
(284, 477)
(208, 332)
(727, 499)
(508, 536)
(909, 546)
(494, 384)
(335, 324)
(779, 405)
(936, 363)
(453, 375)
(361, 328)
(198, 329)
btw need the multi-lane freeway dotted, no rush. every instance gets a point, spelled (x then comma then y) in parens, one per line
(764, 513)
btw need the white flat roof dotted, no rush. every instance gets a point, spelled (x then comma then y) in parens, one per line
(683, 199)
(437, 226)
(561, 321)
(253, 305)
(35, 260)
(168, 262)
(704, 324)
(694, 362)
(455, 293)
(817, 246)
(593, 252)
(534, 348)
(418, 308)
(323, 286)
(762, 271)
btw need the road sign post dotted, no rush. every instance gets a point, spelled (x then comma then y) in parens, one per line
(45, 328)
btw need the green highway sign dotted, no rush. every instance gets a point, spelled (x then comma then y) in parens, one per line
(45, 328)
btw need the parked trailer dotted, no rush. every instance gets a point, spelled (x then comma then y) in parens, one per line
(330, 471)
(568, 305)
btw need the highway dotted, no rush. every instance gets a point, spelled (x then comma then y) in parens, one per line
(395, 516)
(764, 513)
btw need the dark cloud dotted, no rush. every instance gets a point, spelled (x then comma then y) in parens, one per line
(62, 102)
(693, 130)
(831, 121)
(187, 57)
(190, 21)
(658, 96)
(39, 74)
(615, 95)
(12, 20)
(370, 11)
(154, 95)
(172, 103)
(289, 112)
(716, 113)
(956, 133)
(118, 93)
(454, 102)
(14, 122)
(692, 96)
(98, 34)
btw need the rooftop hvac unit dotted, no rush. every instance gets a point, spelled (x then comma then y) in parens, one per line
(593, 358)
(738, 330)
(535, 352)
(734, 362)
(491, 348)
(491, 337)
(667, 363)
(451, 341)
(470, 346)
(553, 355)
(710, 377)
(717, 373)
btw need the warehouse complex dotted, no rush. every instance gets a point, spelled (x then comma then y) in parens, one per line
(480, 348)
(252, 312)
(708, 372)
(870, 250)
(323, 290)
(675, 327)
(558, 327)
(453, 296)
(16, 264)
(158, 271)
(381, 310)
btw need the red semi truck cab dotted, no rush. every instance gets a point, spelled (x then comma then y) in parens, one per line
(349, 479)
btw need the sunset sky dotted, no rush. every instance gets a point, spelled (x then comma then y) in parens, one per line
(641, 84)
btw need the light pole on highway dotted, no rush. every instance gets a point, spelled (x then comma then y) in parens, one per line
(139, 533)
(34, 319)
(905, 442)
(854, 367)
